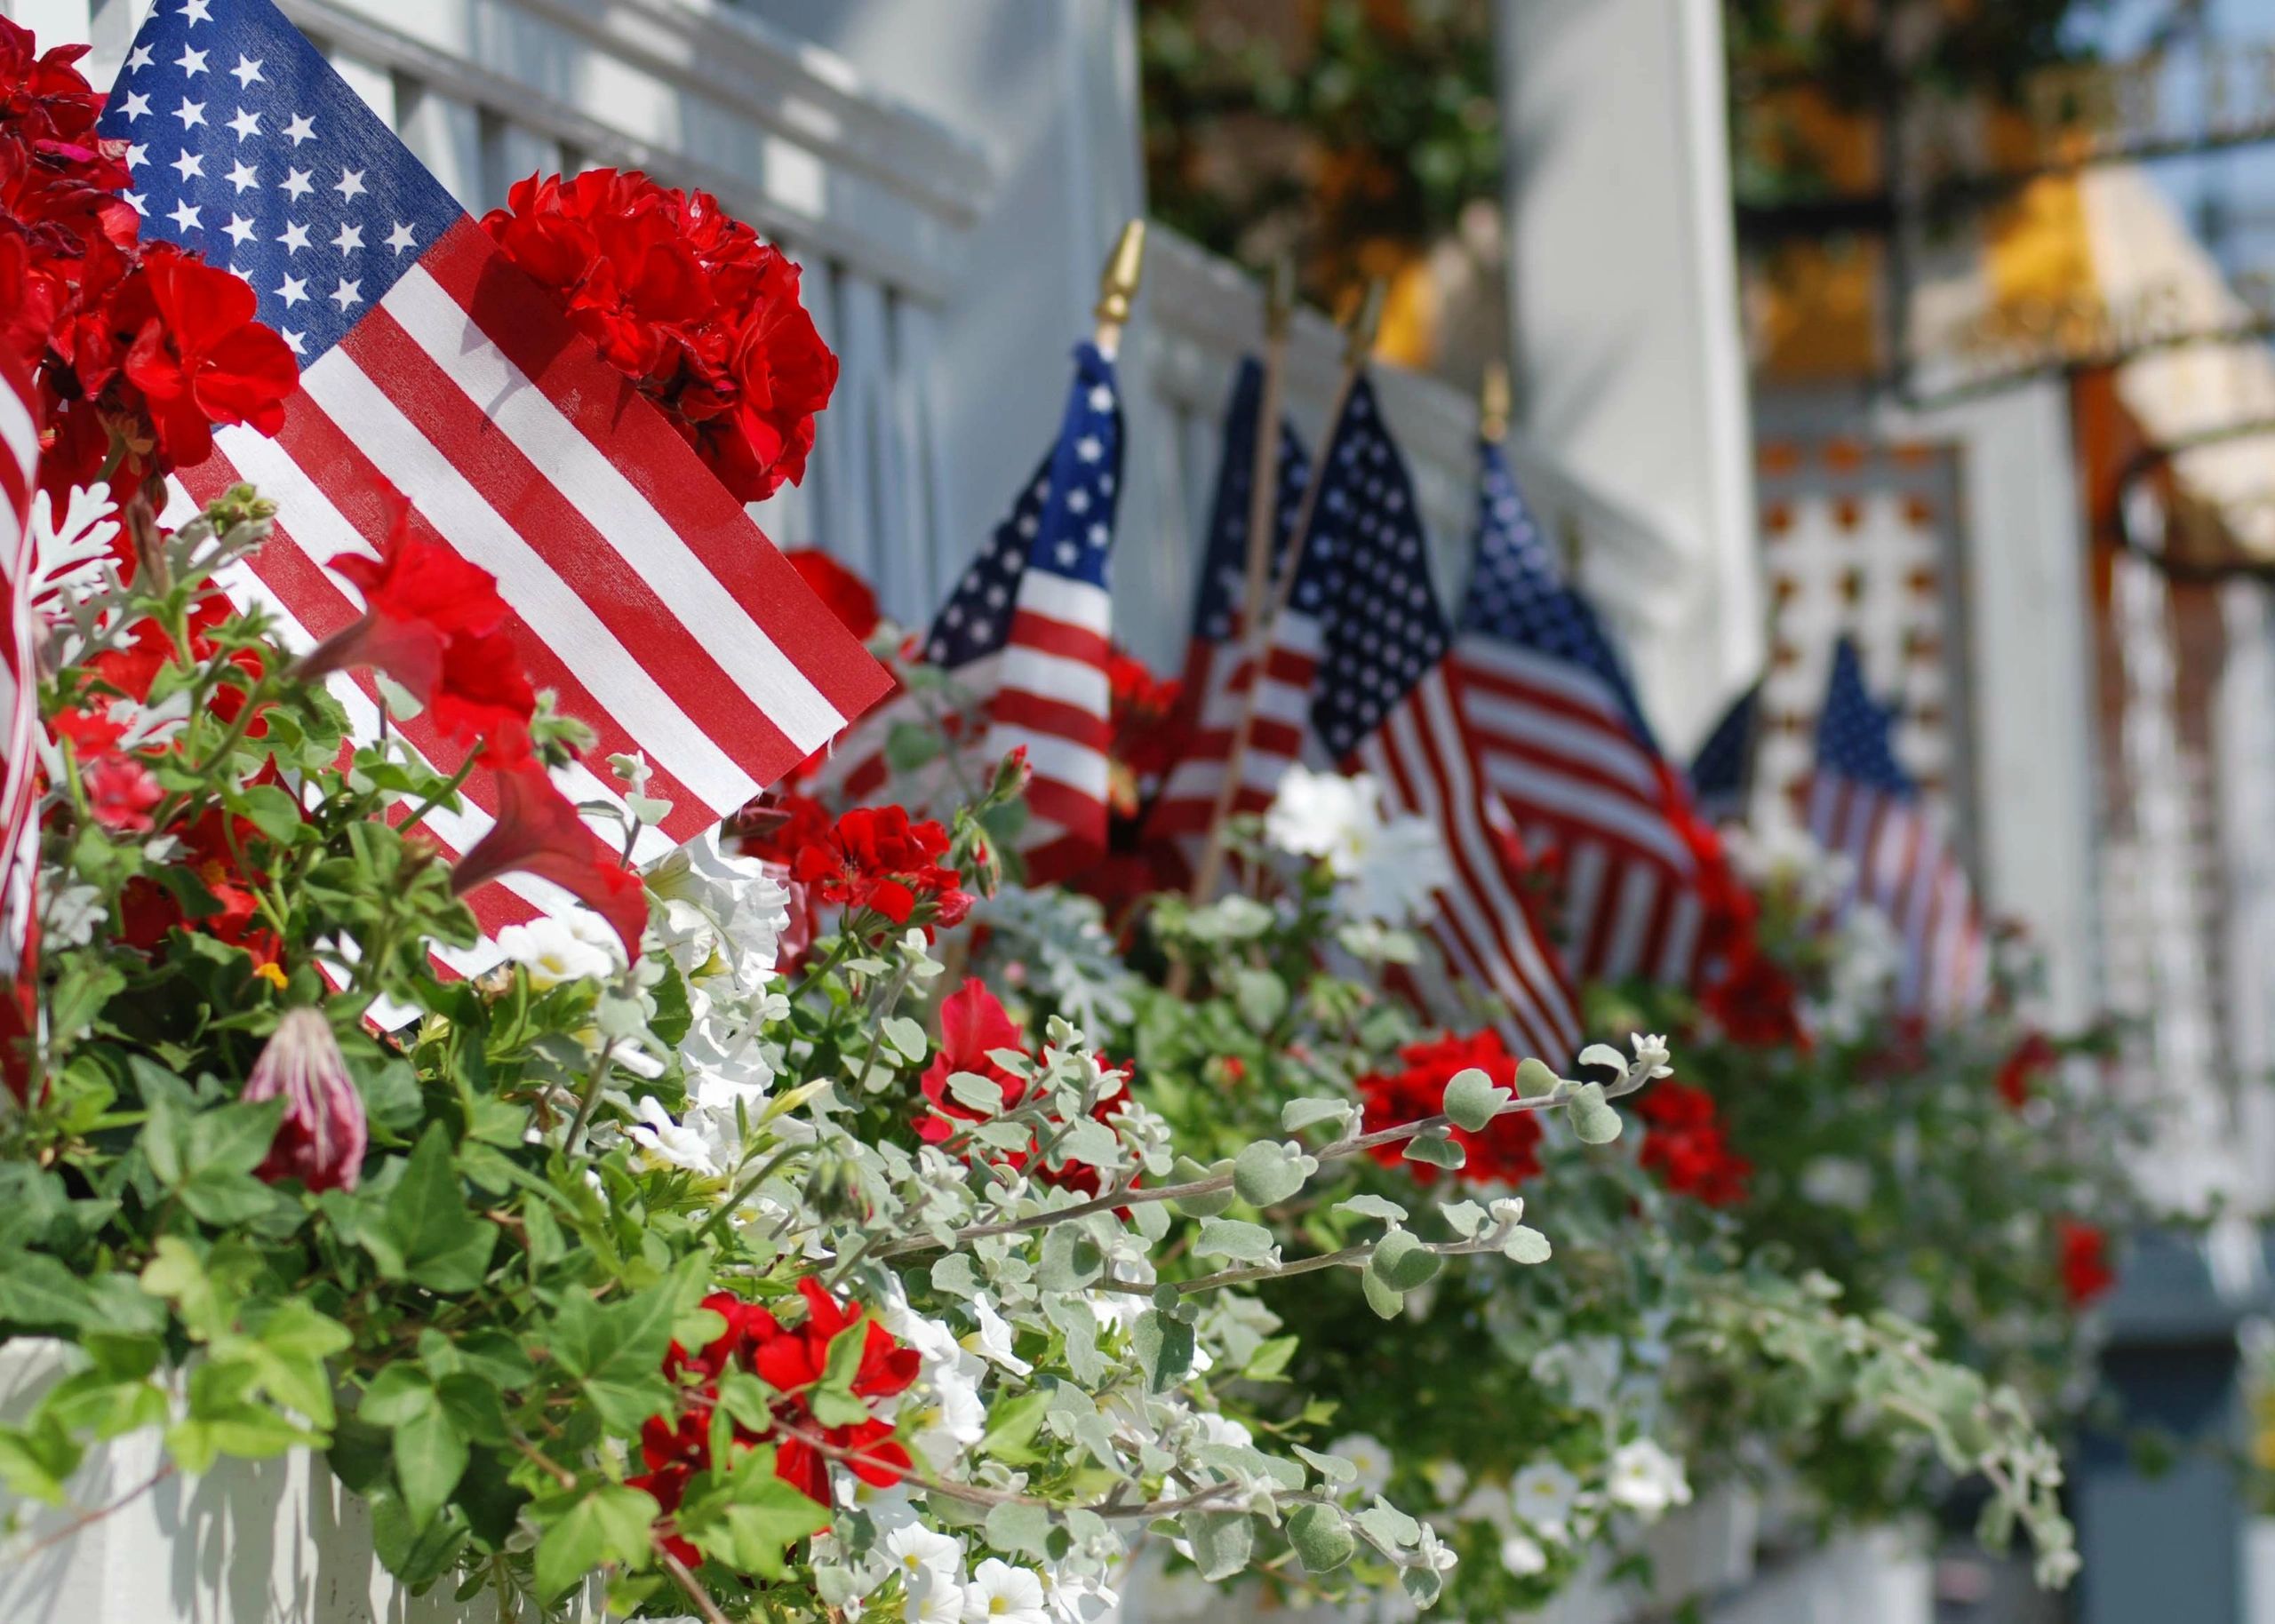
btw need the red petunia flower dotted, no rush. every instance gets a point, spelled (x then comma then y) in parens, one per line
(538, 832)
(323, 1137)
(1506, 1151)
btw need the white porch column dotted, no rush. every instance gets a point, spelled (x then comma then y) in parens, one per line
(1625, 306)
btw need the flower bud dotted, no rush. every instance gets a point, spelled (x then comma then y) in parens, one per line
(322, 1139)
(1013, 774)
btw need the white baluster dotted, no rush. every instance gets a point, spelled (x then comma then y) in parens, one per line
(445, 134)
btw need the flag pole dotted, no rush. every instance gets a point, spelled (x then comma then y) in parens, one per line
(1494, 402)
(1118, 286)
(1359, 343)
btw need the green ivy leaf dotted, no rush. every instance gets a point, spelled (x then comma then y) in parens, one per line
(436, 1241)
(617, 1351)
(610, 1524)
(430, 1457)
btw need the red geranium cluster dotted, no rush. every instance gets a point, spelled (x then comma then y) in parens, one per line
(2086, 1270)
(1143, 715)
(1686, 1146)
(790, 1362)
(691, 305)
(972, 1026)
(2034, 1057)
(137, 347)
(1506, 1151)
(872, 857)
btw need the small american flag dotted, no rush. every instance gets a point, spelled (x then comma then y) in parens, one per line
(642, 591)
(1721, 774)
(1024, 637)
(1862, 805)
(1561, 737)
(1387, 703)
(1217, 670)
(18, 722)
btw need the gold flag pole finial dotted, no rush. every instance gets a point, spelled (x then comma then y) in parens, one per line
(1494, 402)
(1118, 284)
(1360, 335)
(1279, 298)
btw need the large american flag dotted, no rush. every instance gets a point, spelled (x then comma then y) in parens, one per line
(1562, 740)
(642, 591)
(1217, 668)
(19, 720)
(1721, 774)
(1024, 638)
(1387, 703)
(1864, 804)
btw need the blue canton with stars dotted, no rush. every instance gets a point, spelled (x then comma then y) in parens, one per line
(1720, 771)
(1224, 573)
(1385, 630)
(245, 146)
(1518, 595)
(1062, 524)
(1855, 733)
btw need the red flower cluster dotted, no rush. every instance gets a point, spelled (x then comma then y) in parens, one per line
(434, 622)
(2033, 1058)
(138, 343)
(691, 305)
(849, 598)
(2086, 1270)
(1507, 1151)
(972, 1026)
(1686, 1145)
(872, 857)
(208, 848)
(121, 790)
(790, 1362)
(1144, 721)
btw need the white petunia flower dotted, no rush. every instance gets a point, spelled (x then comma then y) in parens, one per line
(1002, 1594)
(68, 918)
(919, 1554)
(666, 1141)
(995, 1338)
(935, 1600)
(558, 949)
(1646, 1479)
(1521, 1556)
(1448, 1479)
(1543, 1495)
(1388, 867)
(1368, 1455)
(1078, 1600)
(1838, 1182)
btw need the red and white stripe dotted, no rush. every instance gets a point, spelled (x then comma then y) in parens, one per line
(1556, 746)
(1904, 868)
(19, 715)
(1221, 675)
(1053, 699)
(1423, 753)
(640, 590)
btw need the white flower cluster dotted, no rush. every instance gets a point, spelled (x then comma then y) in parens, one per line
(1387, 868)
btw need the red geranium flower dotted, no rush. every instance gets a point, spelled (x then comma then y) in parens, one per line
(538, 832)
(973, 1024)
(790, 1362)
(1686, 1146)
(2031, 1059)
(2086, 1270)
(691, 305)
(198, 355)
(850, 597)
(1505, 1152)
(875, 858)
